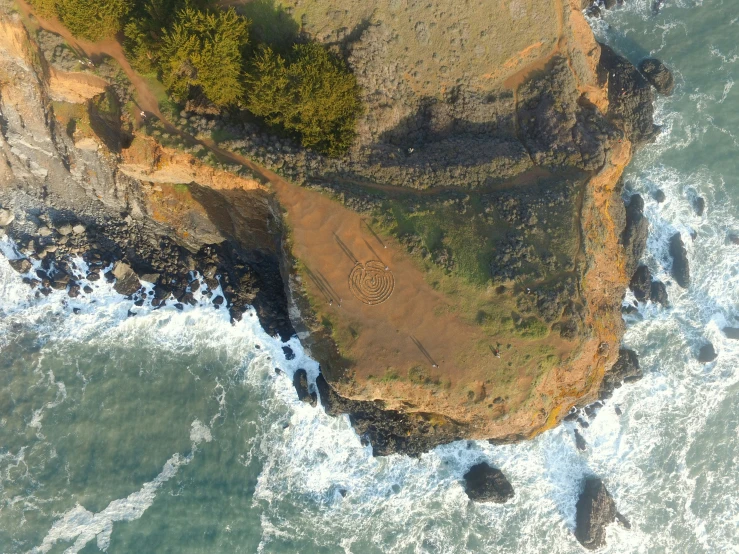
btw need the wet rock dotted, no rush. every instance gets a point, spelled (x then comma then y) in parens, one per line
(659, 196)
(699, 205)
(733, 237)
(707, 353)
(731, 332)
(625, 370)
(658, 75)
(179, 306)
(22, 265)
(484, 483)
(680, 269)
(580, 441)
(635, 233)
(657, 6)
(641, 283)
(582, 423)
(126, 281)
(289, 354)
(658, 293)
(595, 511)
(609, 4)
(618, 411)
(300, 382)
(6, 217)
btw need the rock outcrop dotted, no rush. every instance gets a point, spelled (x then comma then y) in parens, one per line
(658, 75)
(625, 370)
(680, 270)
(635, 233)
(595, 511)
(484, 483)
(300, 382)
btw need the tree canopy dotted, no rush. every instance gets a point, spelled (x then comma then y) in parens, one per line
(205, 49)
(88, 19)
(312, 94)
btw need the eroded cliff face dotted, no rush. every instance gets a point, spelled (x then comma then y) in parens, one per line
(79, 185)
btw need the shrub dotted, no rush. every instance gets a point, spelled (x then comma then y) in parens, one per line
(312, 94)
(205, 50)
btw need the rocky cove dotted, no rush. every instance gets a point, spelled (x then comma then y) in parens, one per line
(65, 198)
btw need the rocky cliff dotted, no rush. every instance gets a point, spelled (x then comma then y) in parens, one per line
(486, 172)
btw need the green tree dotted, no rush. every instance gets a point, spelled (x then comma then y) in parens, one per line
(205, 50)
(91, 19)
(147, 25)
(312, 94)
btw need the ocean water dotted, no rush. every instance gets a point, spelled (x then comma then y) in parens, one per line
(171, 431)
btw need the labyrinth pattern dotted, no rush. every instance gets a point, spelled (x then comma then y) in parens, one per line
(371, 282)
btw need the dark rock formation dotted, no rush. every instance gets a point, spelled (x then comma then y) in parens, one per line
(680, 269)
(731, 332)
(390, 431)
(658, 75)
(699, 205)
(484, 483)
(630, 98)
(707, 353)
(595, 511)
(625, 370)
(641, 283)
(580, 441)
(733, 237)
(658, 293)
(300, 382)
(635, 233)
(659, 195)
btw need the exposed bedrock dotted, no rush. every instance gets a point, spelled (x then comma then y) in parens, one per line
(645, 288)
(707, 353)
(595, 511)
(658, 75)
(484, 483)
(680, 267)
(305, 394)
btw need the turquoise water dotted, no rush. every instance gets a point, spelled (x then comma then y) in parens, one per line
(171, 432)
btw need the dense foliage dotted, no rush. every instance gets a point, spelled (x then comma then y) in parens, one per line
(312, 94)
(88, 19)
(205, 50)
(199, 51)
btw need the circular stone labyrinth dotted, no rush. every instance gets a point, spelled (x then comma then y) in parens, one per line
(371, 282)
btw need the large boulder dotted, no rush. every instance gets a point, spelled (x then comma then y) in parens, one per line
(641, 283)
(699, 205)
(126, 281)
(625, 370)
(658, 75)
(635, 233)
(680, 268)
(595, 511)
(484, 483)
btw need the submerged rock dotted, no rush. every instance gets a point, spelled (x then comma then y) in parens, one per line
(658, 75)
(580, 441)
(680, 268)
(300, 382)
(699, 205)
(731, 332)
(707, 353)
(659, 195)
(625, 370)
(595, 511)
(484, 483)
